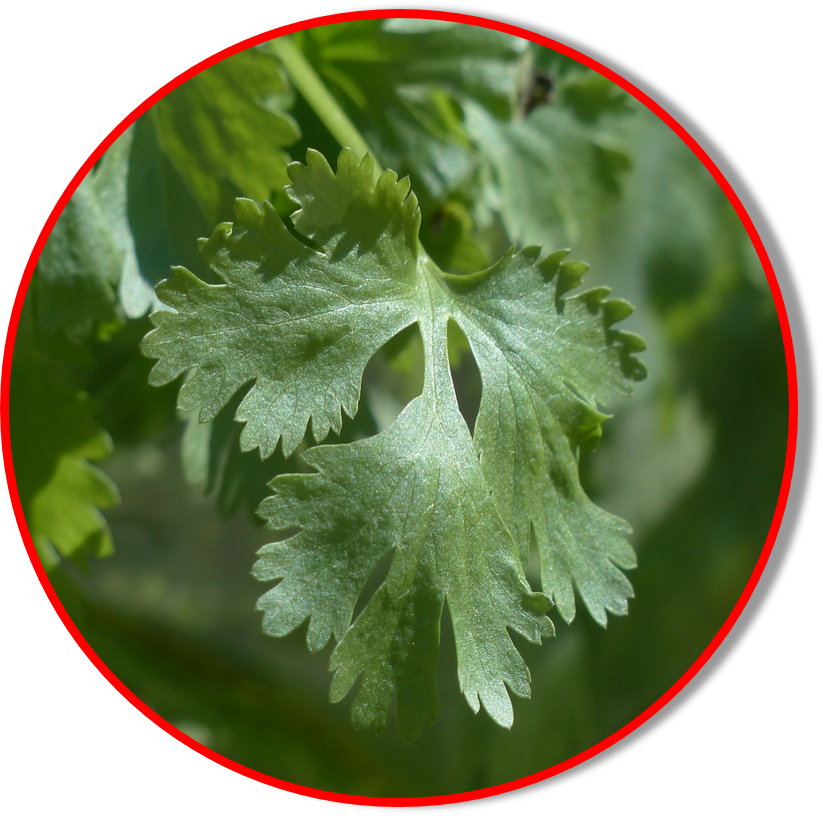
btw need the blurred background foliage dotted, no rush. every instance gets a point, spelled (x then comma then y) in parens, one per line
(505, 141)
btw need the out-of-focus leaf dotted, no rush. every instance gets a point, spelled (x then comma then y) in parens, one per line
(553, 173)
(54, 439)
(86, 253)
(226, 130)
(403, 84)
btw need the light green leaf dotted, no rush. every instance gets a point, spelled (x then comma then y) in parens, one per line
(546, 362)
(228, 125)
(416, 490)
(79, 266)
(301, 323)
(54, 439)
(552, 172)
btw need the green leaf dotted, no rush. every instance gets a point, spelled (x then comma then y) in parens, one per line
(546, 362)
(553, 172)
(87, 252)
(213, 462)
(54, 439)
(300, 322)
(403, 85)
(560, 162)
(416, 490)
(226, 130)
(302, 325)
(569, 84)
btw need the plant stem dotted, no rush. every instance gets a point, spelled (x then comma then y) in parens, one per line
(315, 92)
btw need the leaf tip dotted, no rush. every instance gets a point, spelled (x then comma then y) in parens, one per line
(247, 211)
(550, 265)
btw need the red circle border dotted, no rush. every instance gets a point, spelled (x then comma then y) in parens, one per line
(790, 366)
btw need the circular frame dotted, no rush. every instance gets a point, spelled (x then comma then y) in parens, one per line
(697, 665)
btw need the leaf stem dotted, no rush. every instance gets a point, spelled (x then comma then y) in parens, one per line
(315, 92)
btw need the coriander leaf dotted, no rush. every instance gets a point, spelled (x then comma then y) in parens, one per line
(54, 439)
(416, 489)
(85, 254)
(555, 169)
(403, 85)
(228, 125)
(546, 361)
(213, 462)
(301, 322)
(571, 85)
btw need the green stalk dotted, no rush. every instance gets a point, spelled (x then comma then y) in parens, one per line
(315, 92)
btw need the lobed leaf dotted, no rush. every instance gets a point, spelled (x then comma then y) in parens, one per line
(299, 315)
(547, 361)
(299, 323)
